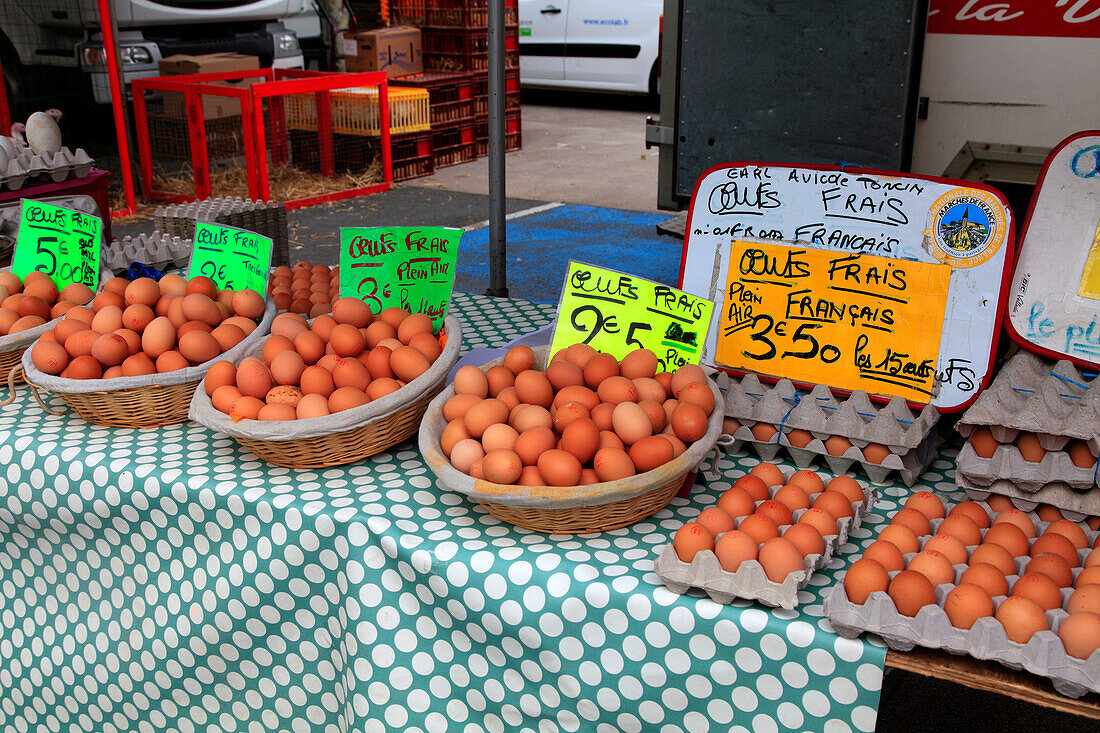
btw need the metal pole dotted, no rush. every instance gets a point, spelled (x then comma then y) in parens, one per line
(109, 26)
(498, 267)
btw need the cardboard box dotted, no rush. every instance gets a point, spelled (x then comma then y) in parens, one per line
(396, 51)
(207, 63)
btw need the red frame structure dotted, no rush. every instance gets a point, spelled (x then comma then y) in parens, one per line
(277, 83)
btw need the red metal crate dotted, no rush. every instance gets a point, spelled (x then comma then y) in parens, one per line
(513, 132)
(454, 145)
(453, 49)
(450, 95)
(449, 13)
(511, 92)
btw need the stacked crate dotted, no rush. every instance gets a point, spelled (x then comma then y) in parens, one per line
(455, 39)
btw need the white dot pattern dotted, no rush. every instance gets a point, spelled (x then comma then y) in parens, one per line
(167, 579)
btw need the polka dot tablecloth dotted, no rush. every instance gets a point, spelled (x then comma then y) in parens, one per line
(165, 579)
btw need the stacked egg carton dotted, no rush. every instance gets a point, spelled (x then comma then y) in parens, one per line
(266, 218)
(158, 250)
(1043, 655)
(750, 581)
(1058, 403)
(20, 165)
(906, 434)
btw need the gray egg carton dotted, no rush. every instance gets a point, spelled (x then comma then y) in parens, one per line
(158, 250)
(266, 218)
(1054, 400)
(27, 166)
(750, 581)
(1043, 655)
(908, 436)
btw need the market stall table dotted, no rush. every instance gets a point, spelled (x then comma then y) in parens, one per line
(165, 578)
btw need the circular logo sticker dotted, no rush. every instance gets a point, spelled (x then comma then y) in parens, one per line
(966, 227)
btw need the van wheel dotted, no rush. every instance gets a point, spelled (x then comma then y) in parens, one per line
(654, 86)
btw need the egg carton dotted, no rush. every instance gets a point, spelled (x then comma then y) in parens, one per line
(1073, 504)
(1008, 464)
(1043, 655)
(266, 218)
(27, 166)
(750, 581)
(158, 250)
(1055, 400)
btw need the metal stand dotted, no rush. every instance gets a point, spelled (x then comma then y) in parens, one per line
(498, 266)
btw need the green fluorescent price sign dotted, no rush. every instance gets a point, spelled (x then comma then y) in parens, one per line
(62, 243)
(406, 267)
(233, 258)
(618, 313)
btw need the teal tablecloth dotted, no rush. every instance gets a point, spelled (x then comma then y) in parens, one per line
(165, 579)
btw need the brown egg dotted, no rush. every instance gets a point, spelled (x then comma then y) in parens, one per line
(393, 316)
(312, 405)
(1080, 454)
(189, 326)
(780, 557)
(198, 307)
(497, 379)
(665, 380)
(993, 554)
(7, 318)
(793, 497)
(159, 336)
(428, 345)
(26, 323)
(110, 349)
(172, 285)
(199, 347)
(378, 362)
(224, 397)
(581, 438)
(413, 325)
(608, 439)
(602, 415)
(220, 374)
(43, 289)
(799, 438)
(914, 520)
(756, 484)
(80, 342)
(1028, 444)
(379, 388)
(276, 413)
(650, 389)
(346, 398)
(901, 537)
(733, 548)
(407, 363)
(1021, 618)
(811, 483)
(865, 577)
(309, 346)
(50, 358)
(600, 367)
(562, 374)
(60, 308)
(287, 367)
(631, 423)
(885, 554)
(1071, 531)
(348, 341)
(454, 431)
(775, 511)
(927, 504)
(288, 325)
(471, 380)
(530, 476)
(316, 380)
(875, 452)
(736, 502)
(81, 313)
(983, 442)
(1018, 518)
(175, 313)
(698, 394)
(836, 445)
(963, 527)
(84, 367)
(247, 304)
(987, 577)
(1085, 598)
(759, 527)
(689, 422)
(648, 454)
(133, 340)
(933, 565)
(565, 414)
(11, 282)
(639, 363)
(534, 388)
(559, 468)
(951, 547)
(715, 521)
(612, 464)
(502, 466)
(254, 378)
(911, 591)
(685, 375)
(137, 364)
(519, 359)
(533, 442)
(577, 393)
(352, 311)
(690, 540)
(107, 319)
(143, 291)
(346, 373)
(764, 433)
(1039, 588)
(966, 603)
(806, 538)
(483, 414)
(1080, 634)
(497, 437)
(1090, 574)
(203, 285)
(1053, 566)
(170, 361)
(1092, 559)
(833, 502)
(769, 473)
(615, 390)
(1057, 544)
(227, 335)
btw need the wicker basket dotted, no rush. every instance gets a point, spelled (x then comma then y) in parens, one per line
(346, 437)
(574, 509)
(141, 402)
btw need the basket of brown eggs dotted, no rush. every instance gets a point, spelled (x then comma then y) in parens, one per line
(579, 443)
(133, 357)
(330, 391)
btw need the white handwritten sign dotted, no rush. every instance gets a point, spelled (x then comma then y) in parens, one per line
(1054, 299)
(968, 227)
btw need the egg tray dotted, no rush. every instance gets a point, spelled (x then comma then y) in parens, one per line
(1054, 400)
(1042, 655)
(750, 581)
(267, 218)
(1073, 504)
(158, 250)
(27, 166)
(822, 414)
(1008, 465)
